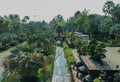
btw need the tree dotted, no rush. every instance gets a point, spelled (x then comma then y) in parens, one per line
(99, 52)
(115, 31)
(1, 24)
(57, 20)
(115, 14)
(91, 47)
(107, 8)
(85, 11)
(96, 51)
(84, 48)
(25, 19)
(59, 30)
(77, 14)
(92, 24)
(105, 27)
(14, 22)
(27, 64)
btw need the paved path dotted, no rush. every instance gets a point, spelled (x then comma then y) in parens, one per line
(75, 54)
(60, 71)
(113, 57)
(74, 72)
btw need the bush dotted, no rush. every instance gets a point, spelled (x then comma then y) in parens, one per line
(115, 43)
(109, 43)
(68, 54)
(70, 59)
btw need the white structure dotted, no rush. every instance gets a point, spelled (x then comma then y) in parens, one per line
(82, 36)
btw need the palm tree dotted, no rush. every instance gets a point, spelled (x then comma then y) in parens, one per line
(27, 66)
(107, 8)
(25, 19)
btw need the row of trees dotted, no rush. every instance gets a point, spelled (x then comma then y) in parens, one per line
(14, 31)
(104, 28)
(95, 49)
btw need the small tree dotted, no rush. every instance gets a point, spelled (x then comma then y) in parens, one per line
(91, 47)
(115, 30)
(59, 29)
(84, 48)
(97, 51)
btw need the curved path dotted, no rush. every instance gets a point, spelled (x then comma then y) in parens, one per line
(60, 70)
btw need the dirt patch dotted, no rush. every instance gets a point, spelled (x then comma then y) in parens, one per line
(113, 57)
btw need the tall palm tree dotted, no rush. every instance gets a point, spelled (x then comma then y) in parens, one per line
(109, 5)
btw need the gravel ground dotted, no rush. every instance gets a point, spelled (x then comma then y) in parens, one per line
(74, 73)
(113, 57)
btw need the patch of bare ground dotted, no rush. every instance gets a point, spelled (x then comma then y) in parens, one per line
(74, 72)
(75, 54)
(111, 62)
(113, 57)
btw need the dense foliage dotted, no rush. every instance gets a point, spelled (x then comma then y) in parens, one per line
(33, 58)
(101, 27)
(34, 51)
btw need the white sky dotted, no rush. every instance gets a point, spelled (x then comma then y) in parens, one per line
(47, 9)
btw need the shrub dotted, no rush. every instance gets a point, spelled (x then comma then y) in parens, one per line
(70, 59)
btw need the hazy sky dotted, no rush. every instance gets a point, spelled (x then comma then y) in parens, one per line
(47, 9)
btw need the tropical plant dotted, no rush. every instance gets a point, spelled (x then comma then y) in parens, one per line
(107, 8)
(96, 51)
(99, 53)
(115, 31)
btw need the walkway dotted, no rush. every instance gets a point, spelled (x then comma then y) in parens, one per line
(76, 56)
(60, 70)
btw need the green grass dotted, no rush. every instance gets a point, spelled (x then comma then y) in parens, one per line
(69, 57)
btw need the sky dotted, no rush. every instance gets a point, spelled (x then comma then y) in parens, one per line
(39, 10)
